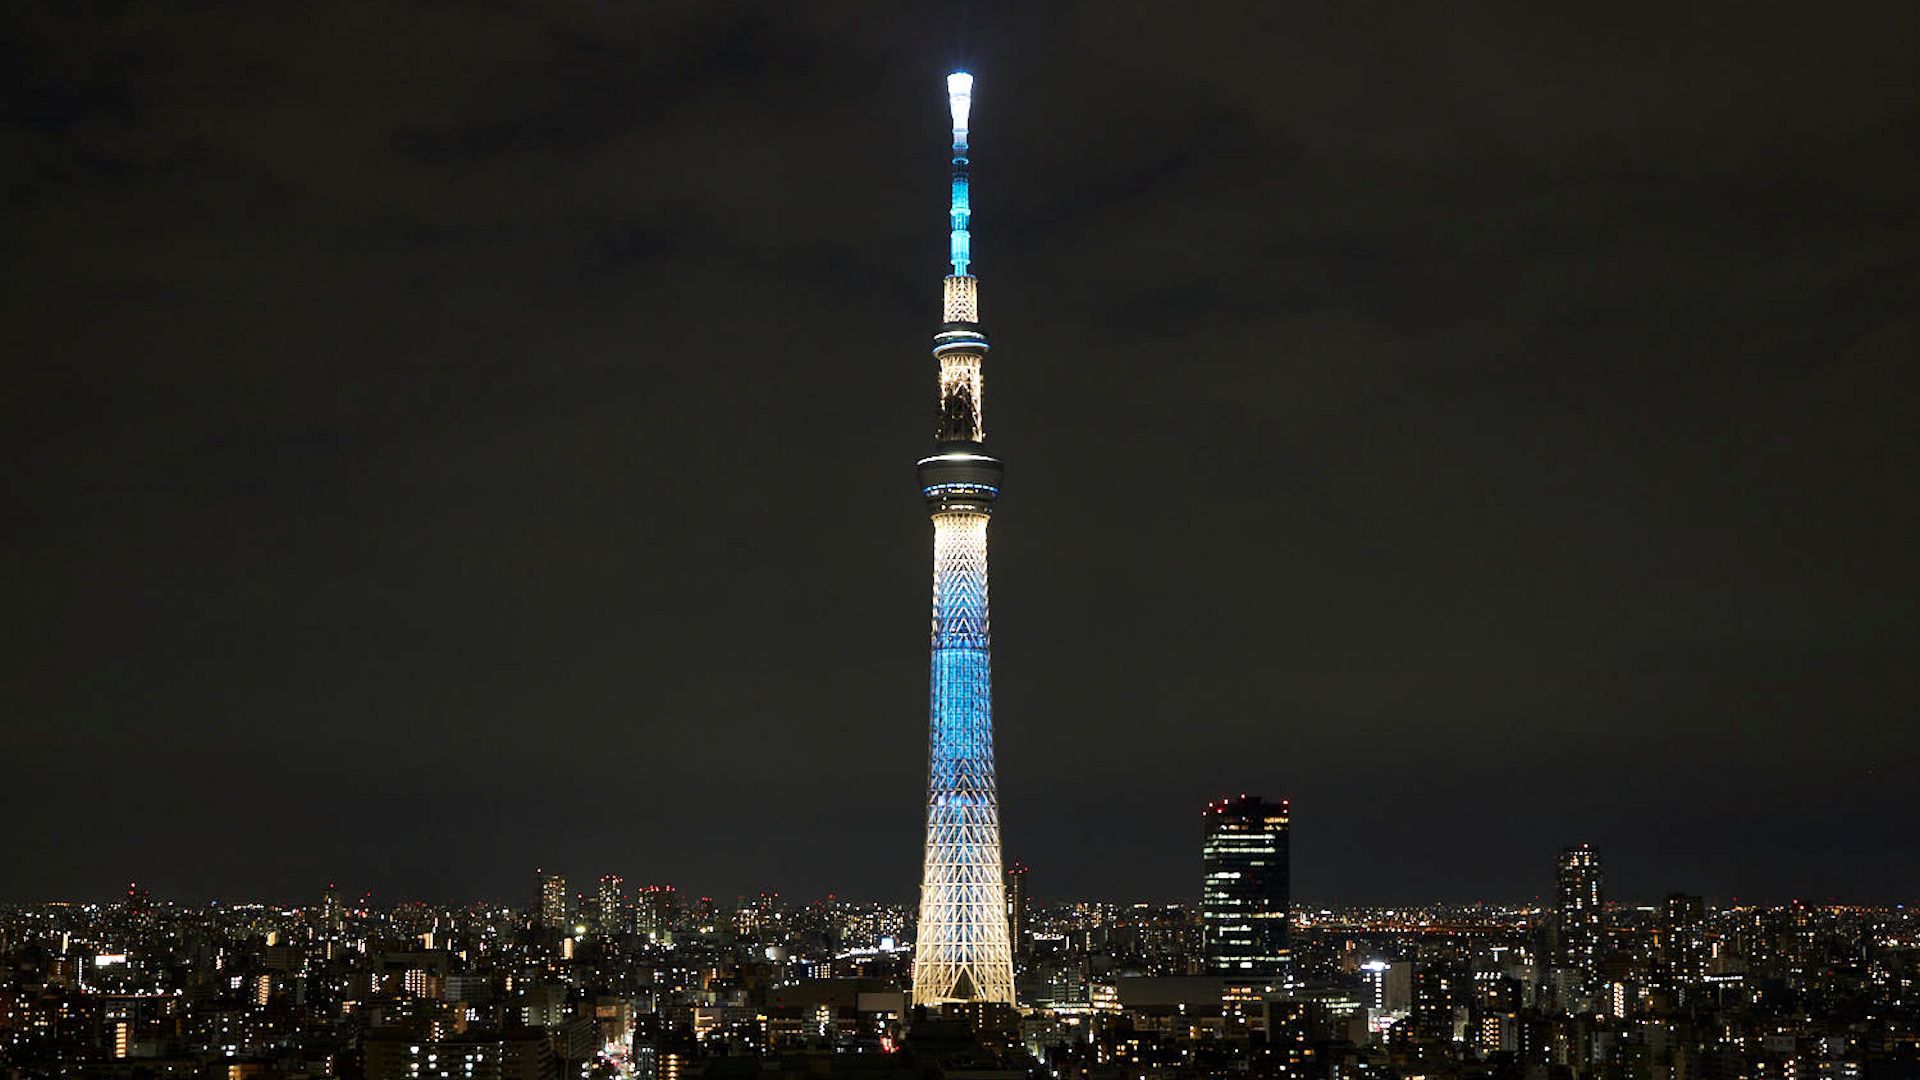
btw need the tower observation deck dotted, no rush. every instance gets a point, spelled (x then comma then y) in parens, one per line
(962, 951)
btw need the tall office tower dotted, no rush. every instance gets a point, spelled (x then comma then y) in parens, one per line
(1683, 942)
(1437, 990)
(553, 901)
(1244, 887)
(1017, 900)
(704, 913)
(763, 916)
(1388, 985)
(333, 914)
(139, 907)
(657, 909)
(610, 906)
(1576, 913)
(961, 952)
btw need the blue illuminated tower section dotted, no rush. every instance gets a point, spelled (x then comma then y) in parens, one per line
(962, 950)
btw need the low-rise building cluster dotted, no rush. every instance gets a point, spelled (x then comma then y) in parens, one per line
(649, 983)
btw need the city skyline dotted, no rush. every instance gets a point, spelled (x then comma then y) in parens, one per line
(1514, 441)
(612, 983)
(580, 888)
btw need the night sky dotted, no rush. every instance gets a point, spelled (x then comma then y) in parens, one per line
(445, 439)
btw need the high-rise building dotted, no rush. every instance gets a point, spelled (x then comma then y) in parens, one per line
(1017, 900)
(1388, 985)
(1683, 942)
(1576, 914)
(656, 910)
(553, 901)
(135, 917)
(962, 952)
(761, 916)
(1244, 887)
(333, 914)
(1438, 1015)
(610, 906)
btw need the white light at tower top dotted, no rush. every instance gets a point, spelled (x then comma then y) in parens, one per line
(960, 99)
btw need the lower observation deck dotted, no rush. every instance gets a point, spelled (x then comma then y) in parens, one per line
(960, 476)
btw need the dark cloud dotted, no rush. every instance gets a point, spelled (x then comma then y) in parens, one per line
(446, 439)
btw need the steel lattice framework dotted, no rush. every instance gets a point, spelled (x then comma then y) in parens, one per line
(963, 951)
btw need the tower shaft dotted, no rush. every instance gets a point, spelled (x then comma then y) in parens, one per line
(962, 951)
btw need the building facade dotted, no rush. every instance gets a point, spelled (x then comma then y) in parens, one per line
(1577, 928)
(555, 908)
(1245, 888)
(610, 915)
(1017, 901)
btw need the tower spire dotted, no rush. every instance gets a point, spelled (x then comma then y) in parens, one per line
(963, 951)
(960, 345)
(960, 104)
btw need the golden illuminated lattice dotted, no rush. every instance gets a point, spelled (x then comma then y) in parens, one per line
(963, 299)
(962, 947)
(963, 951)
(962, 398)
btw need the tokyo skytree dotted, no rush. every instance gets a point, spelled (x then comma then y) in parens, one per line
(962, 952)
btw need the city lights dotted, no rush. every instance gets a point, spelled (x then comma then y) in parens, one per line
(307, 644)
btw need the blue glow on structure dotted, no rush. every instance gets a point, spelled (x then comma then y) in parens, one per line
(962, 951)
(961, 701)
(960, 103)
(967, 489)
(960, 216)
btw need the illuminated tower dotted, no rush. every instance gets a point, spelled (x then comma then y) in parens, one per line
(961, 951)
